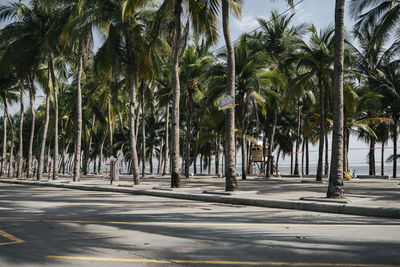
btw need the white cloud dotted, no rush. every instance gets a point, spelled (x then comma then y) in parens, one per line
(246, 23)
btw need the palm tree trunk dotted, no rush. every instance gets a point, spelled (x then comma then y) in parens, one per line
(78, 133)
(196, 150)
(110, 128)
(132, 139)
(277, 161)
(48, 158)
(347, 144)
(335, 189)
(12, 135)
(383, 159)
(89, 145)
(371, 156)
(166, 152)
(321, 131)
(21, 129)
(32, 135)
(395, 135)
(298, 140)
(307, 158)
(53, 79)
(302, 157)
(188, 132)
(160, 156)
(291, 161)
(201, 164)
(151, 160)
(345, 165)
(143, 132)
(270, 161)
(4, 154)
(264, 144)
(244, 158)
(64, 155)
(241, 119)
(100, 166)
(249, 163)
(39, 174)
(175, 179)
(217, 146)
(230, 156)
(326, 154)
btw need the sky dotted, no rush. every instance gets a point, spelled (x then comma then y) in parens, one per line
(318, 12)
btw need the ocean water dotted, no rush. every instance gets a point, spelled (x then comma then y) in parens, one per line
(362, 169)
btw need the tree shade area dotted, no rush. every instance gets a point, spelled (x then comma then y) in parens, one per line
(156, 92)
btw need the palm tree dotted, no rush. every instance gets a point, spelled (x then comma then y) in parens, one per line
(35, 32)
(4, 154)
(32, 92)
(195, 62)
(336, 189)
(230, 157)
(201, 15)
(278, 40)
(316, 58)
(387, 82)
(385, 13)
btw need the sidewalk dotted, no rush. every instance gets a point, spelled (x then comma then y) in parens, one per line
(367, 197)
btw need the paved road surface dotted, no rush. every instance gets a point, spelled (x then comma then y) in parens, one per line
(59, 227)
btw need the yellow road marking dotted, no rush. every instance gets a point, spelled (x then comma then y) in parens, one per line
(14, 240)
(207, 224)
(273, 263)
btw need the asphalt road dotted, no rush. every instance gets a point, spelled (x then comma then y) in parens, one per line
(42, 226)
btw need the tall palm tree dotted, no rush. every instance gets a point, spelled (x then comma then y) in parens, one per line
(194, 64)
(278, 40)
(316, 58)
(336, 189)
(230, 157)
(250, 63)
(3, 155)
(201, 16)
(35, 32)
(388, 83)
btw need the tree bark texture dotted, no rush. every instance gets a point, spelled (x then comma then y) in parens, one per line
(371, 156)
(78, 133)
(395, 135)
(32, 134)
(166, 152)
(175, 179)
(321, 130)
(21, 129)
(270, 160)
(336, 189)
(55, 94)
(39, 174)
(4, 154)
(230, 155)
(132, 128)
(298, 140)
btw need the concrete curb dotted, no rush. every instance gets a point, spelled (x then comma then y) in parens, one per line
(280, 204)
